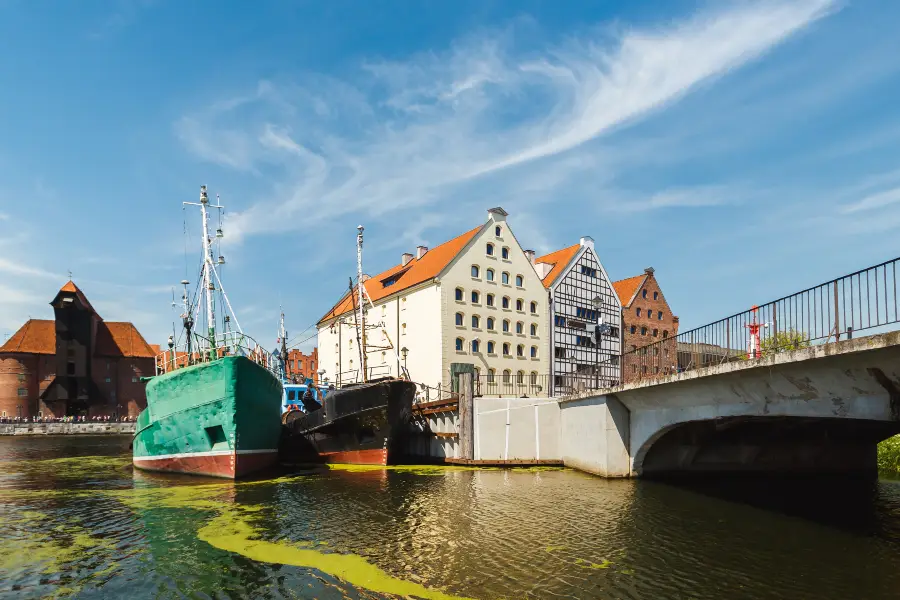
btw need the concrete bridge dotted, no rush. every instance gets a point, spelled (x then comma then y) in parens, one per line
(819, 409)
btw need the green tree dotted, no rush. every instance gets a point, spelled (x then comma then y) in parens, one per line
(784, 341)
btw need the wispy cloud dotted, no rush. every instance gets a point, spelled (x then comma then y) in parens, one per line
(23, 270)
(420, 132)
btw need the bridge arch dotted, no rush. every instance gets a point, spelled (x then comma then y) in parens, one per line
(763, 444)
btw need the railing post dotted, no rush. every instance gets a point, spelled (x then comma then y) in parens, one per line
(837, 320)
(466, 417)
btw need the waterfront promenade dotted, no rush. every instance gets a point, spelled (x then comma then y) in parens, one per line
(63, 428)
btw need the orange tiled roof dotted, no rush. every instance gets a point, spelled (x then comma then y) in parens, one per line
(627, 288)
(559, 259)
(121, 339)
(36, 336)
(415, 272)
(71, 288)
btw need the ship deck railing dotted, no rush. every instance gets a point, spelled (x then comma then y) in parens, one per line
(227, 344)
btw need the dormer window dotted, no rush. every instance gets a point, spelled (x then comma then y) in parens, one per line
(504, 253)
(489, 249)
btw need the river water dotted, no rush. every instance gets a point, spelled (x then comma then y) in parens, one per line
(77, 521)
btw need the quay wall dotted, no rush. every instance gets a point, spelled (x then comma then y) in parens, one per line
(66, 428)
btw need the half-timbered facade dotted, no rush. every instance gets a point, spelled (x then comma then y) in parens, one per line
(582, 301)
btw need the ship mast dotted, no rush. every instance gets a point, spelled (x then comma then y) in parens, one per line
(208, 269)
(362, 304)
(284, 352)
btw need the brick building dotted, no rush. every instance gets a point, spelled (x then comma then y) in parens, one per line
(646, 319)
(75, 364)
(300, 365)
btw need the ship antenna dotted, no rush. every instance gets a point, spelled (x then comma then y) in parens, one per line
(284, 352)
(362, 310)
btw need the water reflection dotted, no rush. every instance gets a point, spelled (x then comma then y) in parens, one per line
(94, 528)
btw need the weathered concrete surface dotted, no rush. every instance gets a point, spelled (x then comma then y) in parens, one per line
(532, 434)
(594, 435)
(66, 428)
(855, 382)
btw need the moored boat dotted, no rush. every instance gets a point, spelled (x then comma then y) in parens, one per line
(214, 408)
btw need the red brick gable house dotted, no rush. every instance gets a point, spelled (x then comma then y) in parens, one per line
(646, 319)
(75, 364)
(300, 365)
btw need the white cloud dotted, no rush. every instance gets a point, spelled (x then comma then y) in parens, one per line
(877, 200)
(17, 268)
(418, 132)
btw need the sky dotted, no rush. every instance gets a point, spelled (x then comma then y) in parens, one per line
(745, 150)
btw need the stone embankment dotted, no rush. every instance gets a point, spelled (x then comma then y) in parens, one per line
(66, 428)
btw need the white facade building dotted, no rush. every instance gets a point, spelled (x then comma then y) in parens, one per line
(581, 296)
(474, 302)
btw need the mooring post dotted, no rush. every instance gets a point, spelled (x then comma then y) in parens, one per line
(466, 416)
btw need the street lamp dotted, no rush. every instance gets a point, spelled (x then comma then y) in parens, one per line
(597, 302)
(403, 352)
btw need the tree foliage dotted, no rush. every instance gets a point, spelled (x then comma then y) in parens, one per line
(784, 341)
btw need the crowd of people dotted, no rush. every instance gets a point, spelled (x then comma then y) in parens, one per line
(67, 419)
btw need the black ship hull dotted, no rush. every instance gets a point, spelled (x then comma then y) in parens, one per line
(366, 424)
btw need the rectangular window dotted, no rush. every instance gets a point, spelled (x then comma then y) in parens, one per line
(559, 352)
(21, 376)
(559, 321)
(70, 368)
(23, 392)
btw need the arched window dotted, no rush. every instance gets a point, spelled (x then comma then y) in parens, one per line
(519, 305)
(504, 278)
(637, 311)
(534, 352)
(459, 344)
(459, 294)
(505, 252)
(633, 329)
(475, 346)
(534, 329)
(491, 372)
(505, 301)
(534, 378)
(519, 281)
(490, 347)
(659, 315)
(475, 296)
(490, 299)
(476, 322)
(649, 314)
(489, 275)
(643, 331)
(656, 295)
(520, 350)
(475, 271)
(506, 374)
(489, 249)
(403, 329)
(643, 293)
(497, 231)
(665, 333)
(490, 323)
(520, 377)
(655, 332)
(520, 327)
(459, 319)
(534, 308)
(505, 349)
(506, 325)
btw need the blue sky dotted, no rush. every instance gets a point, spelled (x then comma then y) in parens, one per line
(745, 150)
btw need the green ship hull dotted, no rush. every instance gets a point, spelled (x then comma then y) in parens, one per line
(221, 418)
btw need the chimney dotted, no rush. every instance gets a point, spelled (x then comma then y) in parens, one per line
(420, 251)
(649, 271)
(529, 254)
(588, 241)
(405, 258)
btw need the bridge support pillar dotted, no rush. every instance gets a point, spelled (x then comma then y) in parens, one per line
(594, 435)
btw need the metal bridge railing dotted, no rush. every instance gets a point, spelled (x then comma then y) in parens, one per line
(835, 310)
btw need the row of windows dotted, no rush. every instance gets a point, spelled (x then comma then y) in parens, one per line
(589, 271)
(659, 314)
(507, 376)
(665, 333)
(491, 324)
(489, 275)
(504, 251)
(644, 295)
(490, 298)
(475, 346)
